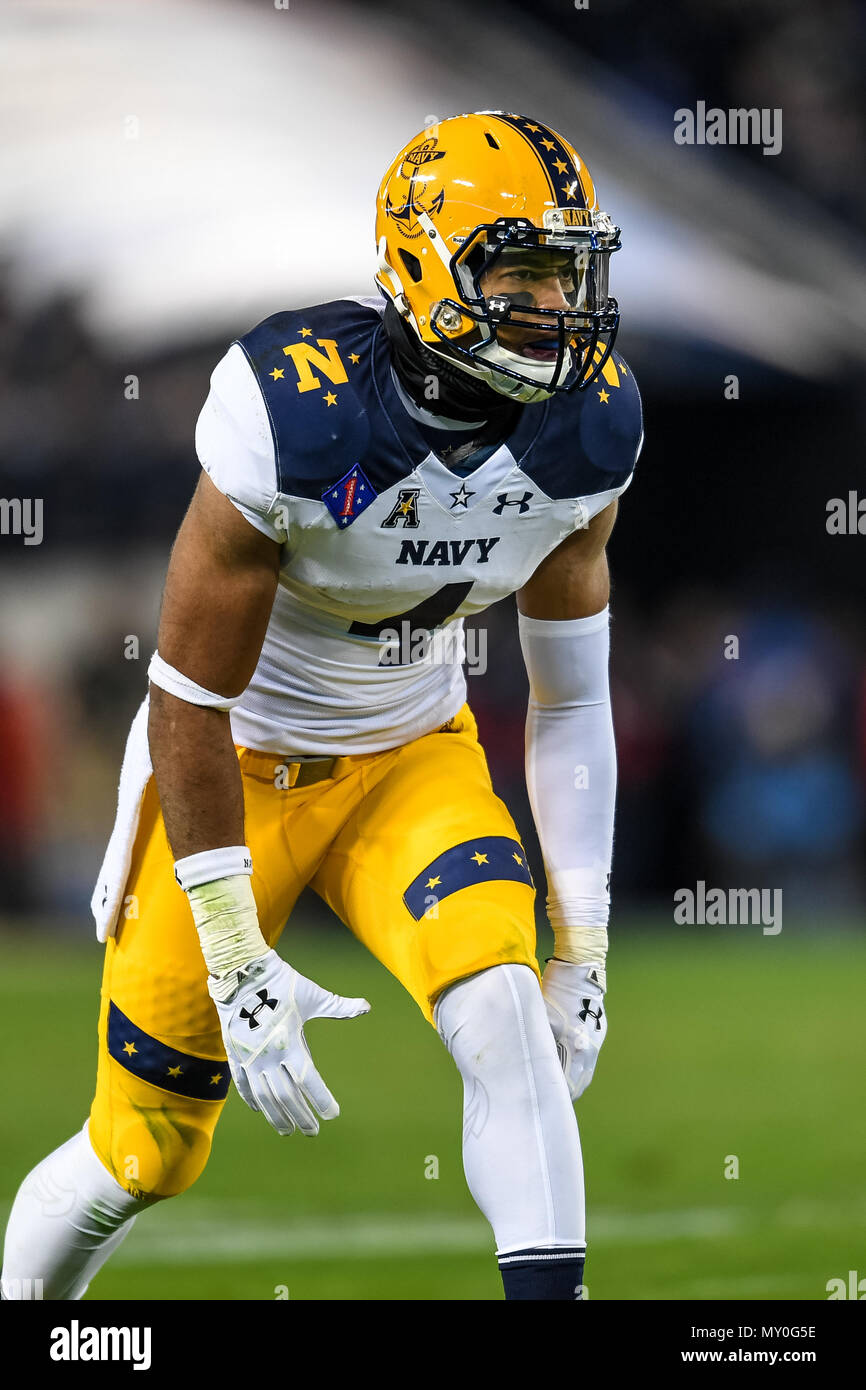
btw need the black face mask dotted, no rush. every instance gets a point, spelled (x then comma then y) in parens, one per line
(460, 396)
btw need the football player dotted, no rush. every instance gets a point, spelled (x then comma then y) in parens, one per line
(375, 469)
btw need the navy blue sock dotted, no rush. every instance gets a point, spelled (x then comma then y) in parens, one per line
(543, 1273)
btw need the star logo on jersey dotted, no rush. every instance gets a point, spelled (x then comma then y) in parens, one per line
(349, 497)
(461, 496)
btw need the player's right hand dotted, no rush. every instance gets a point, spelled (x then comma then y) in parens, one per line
(263, 1031)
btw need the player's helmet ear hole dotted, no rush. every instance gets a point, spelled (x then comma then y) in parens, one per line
(412, 264)
(491, 140)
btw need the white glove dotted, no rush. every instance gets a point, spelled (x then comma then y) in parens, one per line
(263, 1031)
(573, 998)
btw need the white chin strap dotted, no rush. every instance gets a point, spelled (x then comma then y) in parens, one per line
(492, 355)
(544, 374)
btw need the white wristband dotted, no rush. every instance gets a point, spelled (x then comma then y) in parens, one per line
(211, 864)
(175, 683)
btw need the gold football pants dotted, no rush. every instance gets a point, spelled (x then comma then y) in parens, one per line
(411, 848)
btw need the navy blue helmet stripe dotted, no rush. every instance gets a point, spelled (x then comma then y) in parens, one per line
(199, 1078)
(539, 137)
(483, 860)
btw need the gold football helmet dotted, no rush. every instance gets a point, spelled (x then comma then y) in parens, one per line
(492, 246)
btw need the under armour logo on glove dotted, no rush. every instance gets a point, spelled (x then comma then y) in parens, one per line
(569, 1009)
(266, 1002)
(273, 1070)
(587, 1012)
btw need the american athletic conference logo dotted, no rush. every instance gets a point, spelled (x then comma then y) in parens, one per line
(266, 1003)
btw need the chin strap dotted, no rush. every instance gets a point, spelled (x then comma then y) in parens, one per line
(461, 396)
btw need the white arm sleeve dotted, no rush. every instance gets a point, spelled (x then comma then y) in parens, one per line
(235, 446)
(571, 769)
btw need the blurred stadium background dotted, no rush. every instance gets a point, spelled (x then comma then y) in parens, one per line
(172, 173)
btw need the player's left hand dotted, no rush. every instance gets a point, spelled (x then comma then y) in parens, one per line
(263, 1031)
(573, 997)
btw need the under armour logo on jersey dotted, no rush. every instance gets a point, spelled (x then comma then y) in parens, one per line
(586, 1012)
(266, 1003)
(404, 511)
(503, 501)
(349, 497)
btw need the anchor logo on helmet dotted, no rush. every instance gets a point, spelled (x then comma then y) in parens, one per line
(407, 215)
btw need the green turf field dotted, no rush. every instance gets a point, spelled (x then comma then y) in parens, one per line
(720, 1044)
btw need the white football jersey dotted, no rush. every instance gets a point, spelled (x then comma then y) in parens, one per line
(385, 550)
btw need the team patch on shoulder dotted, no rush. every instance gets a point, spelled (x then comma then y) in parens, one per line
(347, 498)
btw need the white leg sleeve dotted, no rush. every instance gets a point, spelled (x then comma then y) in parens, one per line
(68, 1216)
(521, 1149)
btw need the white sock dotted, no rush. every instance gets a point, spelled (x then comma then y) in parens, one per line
(521, 1148)
(68, 1216)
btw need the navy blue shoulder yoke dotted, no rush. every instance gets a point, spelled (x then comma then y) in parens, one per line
(319, 374)
(587, 441)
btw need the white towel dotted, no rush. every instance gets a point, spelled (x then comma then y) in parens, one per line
(134, 776)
